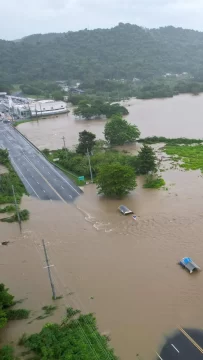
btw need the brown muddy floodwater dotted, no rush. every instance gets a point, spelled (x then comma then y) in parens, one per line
(180, 116)
(129, 267)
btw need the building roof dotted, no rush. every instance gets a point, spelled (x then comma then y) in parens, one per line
(47, 105)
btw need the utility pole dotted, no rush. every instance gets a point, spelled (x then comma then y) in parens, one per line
(64, 145)
(49, 271)
(88, 155)
(64, 142)
(17, 209)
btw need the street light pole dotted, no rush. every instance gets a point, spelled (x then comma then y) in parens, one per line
(88, 155)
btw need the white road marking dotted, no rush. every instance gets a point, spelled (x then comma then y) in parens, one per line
(58, 174)
(44, 191)
(48, 172)
(70, 196)
(26, 179)
(47, 163)
(38, 182)
(175, 348)
(159, 356)
(62, 187)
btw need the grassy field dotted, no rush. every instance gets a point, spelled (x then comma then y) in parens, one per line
(190, 156)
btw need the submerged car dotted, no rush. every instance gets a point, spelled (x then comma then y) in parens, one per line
(124, 210)
(189, 264)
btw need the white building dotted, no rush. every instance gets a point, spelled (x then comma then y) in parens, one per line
(22, 111)
(47, 107)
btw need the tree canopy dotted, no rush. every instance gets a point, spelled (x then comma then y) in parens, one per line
(115, 179)
(76, 338)
(125, 51)
(146, 160)
(118, 131)
(86, 142)
(89, 107)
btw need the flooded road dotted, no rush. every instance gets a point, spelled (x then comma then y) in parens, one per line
(123, 270)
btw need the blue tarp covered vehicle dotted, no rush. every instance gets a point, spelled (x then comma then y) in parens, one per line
(189, 264)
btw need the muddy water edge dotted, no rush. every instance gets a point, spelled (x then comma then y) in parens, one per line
(123, 270)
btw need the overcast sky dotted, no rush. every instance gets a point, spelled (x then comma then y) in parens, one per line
(20, 18)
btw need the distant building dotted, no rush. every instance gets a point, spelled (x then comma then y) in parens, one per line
(47, 108)
(22, 111)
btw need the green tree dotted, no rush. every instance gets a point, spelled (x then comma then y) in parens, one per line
(118, 131)
(6, 300)
(58, 95)
(4, 157)
(77, 337)
(7, 353)
(3, 318)
(115, 179)
(146, 160)
(86, 142)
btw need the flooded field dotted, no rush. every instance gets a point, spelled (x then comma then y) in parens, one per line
(180, 116)
(123, 270)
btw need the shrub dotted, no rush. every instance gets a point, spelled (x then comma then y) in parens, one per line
(17, 314)
(153, 182)
(7, 353)
(24, 215)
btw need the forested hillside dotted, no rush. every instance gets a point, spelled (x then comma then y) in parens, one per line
(125, 51)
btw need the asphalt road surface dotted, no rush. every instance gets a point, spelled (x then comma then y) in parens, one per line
(41, 178)
(185, 344)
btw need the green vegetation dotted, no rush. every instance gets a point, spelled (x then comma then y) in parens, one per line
(118, 131)
(146, 160)
(6, 313)
(123, 52)
(159, 87)
(24, 215)
(170, 141)
(77, 337)
(17, 314)
(16, 123)
(86, 142)
(113, 171)
(190, 156)
(48, 311)
(9, 179)
(78, 164)
(7, 209)
(7, 353)
(89, 108)
(42, 89)
(115, 180)
(6, 193)
(153, 181)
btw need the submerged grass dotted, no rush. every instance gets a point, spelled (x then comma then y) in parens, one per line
(153, 182)
(170, 141)
(190, 156)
